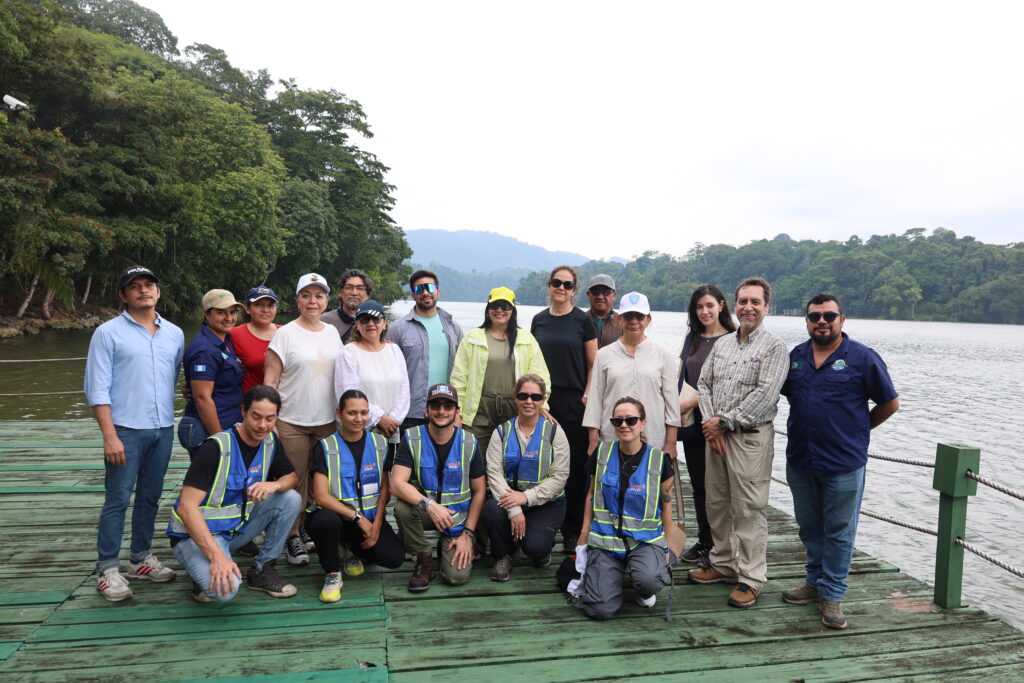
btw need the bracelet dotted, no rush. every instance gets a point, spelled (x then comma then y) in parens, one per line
(467, 530)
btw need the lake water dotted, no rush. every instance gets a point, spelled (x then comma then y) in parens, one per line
(958, 383)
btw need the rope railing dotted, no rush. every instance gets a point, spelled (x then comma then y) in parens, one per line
(39, 393)
(879, 456)
(995, 485)
(38, 360)
(985, 556)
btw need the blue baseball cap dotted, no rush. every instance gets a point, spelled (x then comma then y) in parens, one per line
(370, 308)
(261, 292)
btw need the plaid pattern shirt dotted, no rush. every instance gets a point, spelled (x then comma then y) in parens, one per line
(741, 380)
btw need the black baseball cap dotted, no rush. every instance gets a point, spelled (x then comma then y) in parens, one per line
(442, 391)
(132, 272)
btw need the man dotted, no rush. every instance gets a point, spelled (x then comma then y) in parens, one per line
(428, 337)
(130, 375)
(601, 294)
(239, 483)
(831, 379)
(739, 394)
(439, 480)
(354, 287)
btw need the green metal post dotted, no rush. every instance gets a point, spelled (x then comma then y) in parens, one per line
(951, 463)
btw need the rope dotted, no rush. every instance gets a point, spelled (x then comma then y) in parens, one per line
(890, 458)
(43, 393)
(39, 360)
(996, 485)
(997, 562)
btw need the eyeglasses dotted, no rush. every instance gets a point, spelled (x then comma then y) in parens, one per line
(567, 284)
(501, 305)
(633, 315)
(426, 287)
(536, 398)
(829, 316)
(600, 292)
(631, 421)
(354, 288)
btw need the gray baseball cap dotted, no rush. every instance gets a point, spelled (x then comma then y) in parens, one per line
(601, 280)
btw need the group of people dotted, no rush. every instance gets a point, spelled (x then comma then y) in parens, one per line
(499, 438)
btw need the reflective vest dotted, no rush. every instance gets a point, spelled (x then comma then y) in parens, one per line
(225, 507)
(639, 520)
(455, 492)
(524, 470)
(341, 472)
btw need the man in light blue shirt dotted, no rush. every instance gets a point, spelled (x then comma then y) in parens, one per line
(130, 379)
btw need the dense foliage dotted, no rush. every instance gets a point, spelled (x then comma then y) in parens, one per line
(134, 152)
(910, 276)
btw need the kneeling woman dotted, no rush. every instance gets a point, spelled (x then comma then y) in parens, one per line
(350, 490)
(627, 511)
(527, 466)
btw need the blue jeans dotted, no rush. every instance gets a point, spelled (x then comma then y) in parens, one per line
(827, 507)
(191, 433)
(274, 516)
(146, 454)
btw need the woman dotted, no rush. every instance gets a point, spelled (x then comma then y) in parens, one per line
(634, 366)
(300, 363)
(708, 320)
(628, 509)
(487, 363)
(252, 339)
(568, 338)
(527, 467)
(213, 373)
(351, 490)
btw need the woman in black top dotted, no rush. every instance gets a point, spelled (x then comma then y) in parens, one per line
(568, 340)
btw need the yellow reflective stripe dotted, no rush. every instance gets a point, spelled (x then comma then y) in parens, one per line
(220, 480)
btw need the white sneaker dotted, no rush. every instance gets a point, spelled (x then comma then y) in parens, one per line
(113, 586)
(648, 602)
(151, 569)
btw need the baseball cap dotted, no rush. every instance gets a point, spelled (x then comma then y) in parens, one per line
(219, 298)
(132, 272)
(634, 302)
(370, 308)
(502, 294)
(261, 292)
(601, 280)
(445, 391)
(312, 279)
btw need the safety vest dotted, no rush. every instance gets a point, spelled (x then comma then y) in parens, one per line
(454, 491)
(524, 470)
(639, 520)
(225, 507)
(342, 477)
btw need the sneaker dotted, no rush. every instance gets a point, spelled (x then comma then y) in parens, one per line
(542, 562)
(646, 602)
(331, 592)
(569, 542)
(804, 595)
(113, 586)
(832, 614)
(501, 569)
(269, 581)
(353, 565)
(743, 596)
(199, 595)
(151, 569)
(250, 549)
(306, 540)
(421, 572)
(697, 551)
(708, 574)
(295, 551)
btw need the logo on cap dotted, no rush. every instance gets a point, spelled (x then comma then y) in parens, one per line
(633, 298)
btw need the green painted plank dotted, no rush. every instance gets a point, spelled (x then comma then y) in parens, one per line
(9, 648)
(366, 675)
(73, 467)
(60, 489)
(33, 598)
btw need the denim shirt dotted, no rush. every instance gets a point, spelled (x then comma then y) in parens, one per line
(411, 337)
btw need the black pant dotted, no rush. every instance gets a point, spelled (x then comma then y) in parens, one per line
(541, 524)
(693, 450)
(328, 530)
(567, 407)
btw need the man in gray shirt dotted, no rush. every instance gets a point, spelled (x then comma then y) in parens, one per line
(739, 395)
(354, 287)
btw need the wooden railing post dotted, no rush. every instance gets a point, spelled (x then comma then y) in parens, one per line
(951, 463)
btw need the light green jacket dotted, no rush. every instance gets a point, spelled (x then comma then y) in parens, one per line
(471, 363)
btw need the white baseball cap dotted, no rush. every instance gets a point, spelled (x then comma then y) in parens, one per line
(634, 302)
(312, 279)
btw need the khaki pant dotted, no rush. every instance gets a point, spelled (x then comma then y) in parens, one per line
(737, 500)
(298, 443)
(412, 523)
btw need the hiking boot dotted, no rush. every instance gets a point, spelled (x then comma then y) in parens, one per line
(832, 614)
(331, 592)
(199, 595)
(113, 586)
(743, 596)
(708, 574)
(250, 549)
(269, 581)
(306, 540)
(697, 551)
(295, 551)
(352, 565)
(804, 595)
(645, 602)
(502, 568)
(150, 569)
(421, 572)
(542, 562)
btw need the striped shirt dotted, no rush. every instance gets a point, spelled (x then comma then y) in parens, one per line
(741, 380)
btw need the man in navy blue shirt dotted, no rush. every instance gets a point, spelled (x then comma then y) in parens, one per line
(831, 379)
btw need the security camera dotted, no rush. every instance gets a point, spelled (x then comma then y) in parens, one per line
(14, 104)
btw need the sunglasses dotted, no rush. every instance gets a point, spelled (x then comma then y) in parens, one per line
(829, 316)
(442, 405)
(367, 319)
(631, 421)
(600, 292)
(567, 284)
(536, 398)
(499, 306)
(633, 315)
(427, 287)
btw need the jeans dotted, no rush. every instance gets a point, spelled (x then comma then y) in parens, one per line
(191, 433)
(275, 516)
(146, 454)
(827, 507)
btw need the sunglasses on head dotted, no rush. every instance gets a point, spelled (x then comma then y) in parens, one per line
(567, 284)
(631, 421)
(536, 398)
(829, 316)
(500, 305)
(426, 287)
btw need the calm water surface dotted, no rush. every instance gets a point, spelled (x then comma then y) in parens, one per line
(957, 383)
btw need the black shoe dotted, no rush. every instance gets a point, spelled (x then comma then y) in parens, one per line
(295, 551)
(569, 542)
(269, 581)
(542, 562)
(697, 551)
(250, 549)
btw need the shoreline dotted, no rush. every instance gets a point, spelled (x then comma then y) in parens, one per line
(86, 318)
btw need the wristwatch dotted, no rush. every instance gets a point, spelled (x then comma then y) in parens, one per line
(357, 516)
(424, 502)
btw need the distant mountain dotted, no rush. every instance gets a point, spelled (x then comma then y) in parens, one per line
(477, 250)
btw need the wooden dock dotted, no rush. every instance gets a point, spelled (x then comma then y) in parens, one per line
(54, 626)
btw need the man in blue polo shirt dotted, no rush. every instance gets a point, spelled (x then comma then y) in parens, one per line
(831, 379)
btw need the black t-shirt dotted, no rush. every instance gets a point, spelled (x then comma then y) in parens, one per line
(629, 465)
(206, 460)
(403, 456)
(561, 339)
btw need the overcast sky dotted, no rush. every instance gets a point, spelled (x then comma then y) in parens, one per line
(613, 128)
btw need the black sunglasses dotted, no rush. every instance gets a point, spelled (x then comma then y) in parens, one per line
(567, 284)
(536, 398)
(631, 421)
(499, 305)
(829, 316)
(426, 287)
(633, 315)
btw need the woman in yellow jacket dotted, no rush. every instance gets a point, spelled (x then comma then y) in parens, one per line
(487, 363)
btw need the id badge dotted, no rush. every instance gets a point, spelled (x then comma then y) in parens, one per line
(370, 489)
